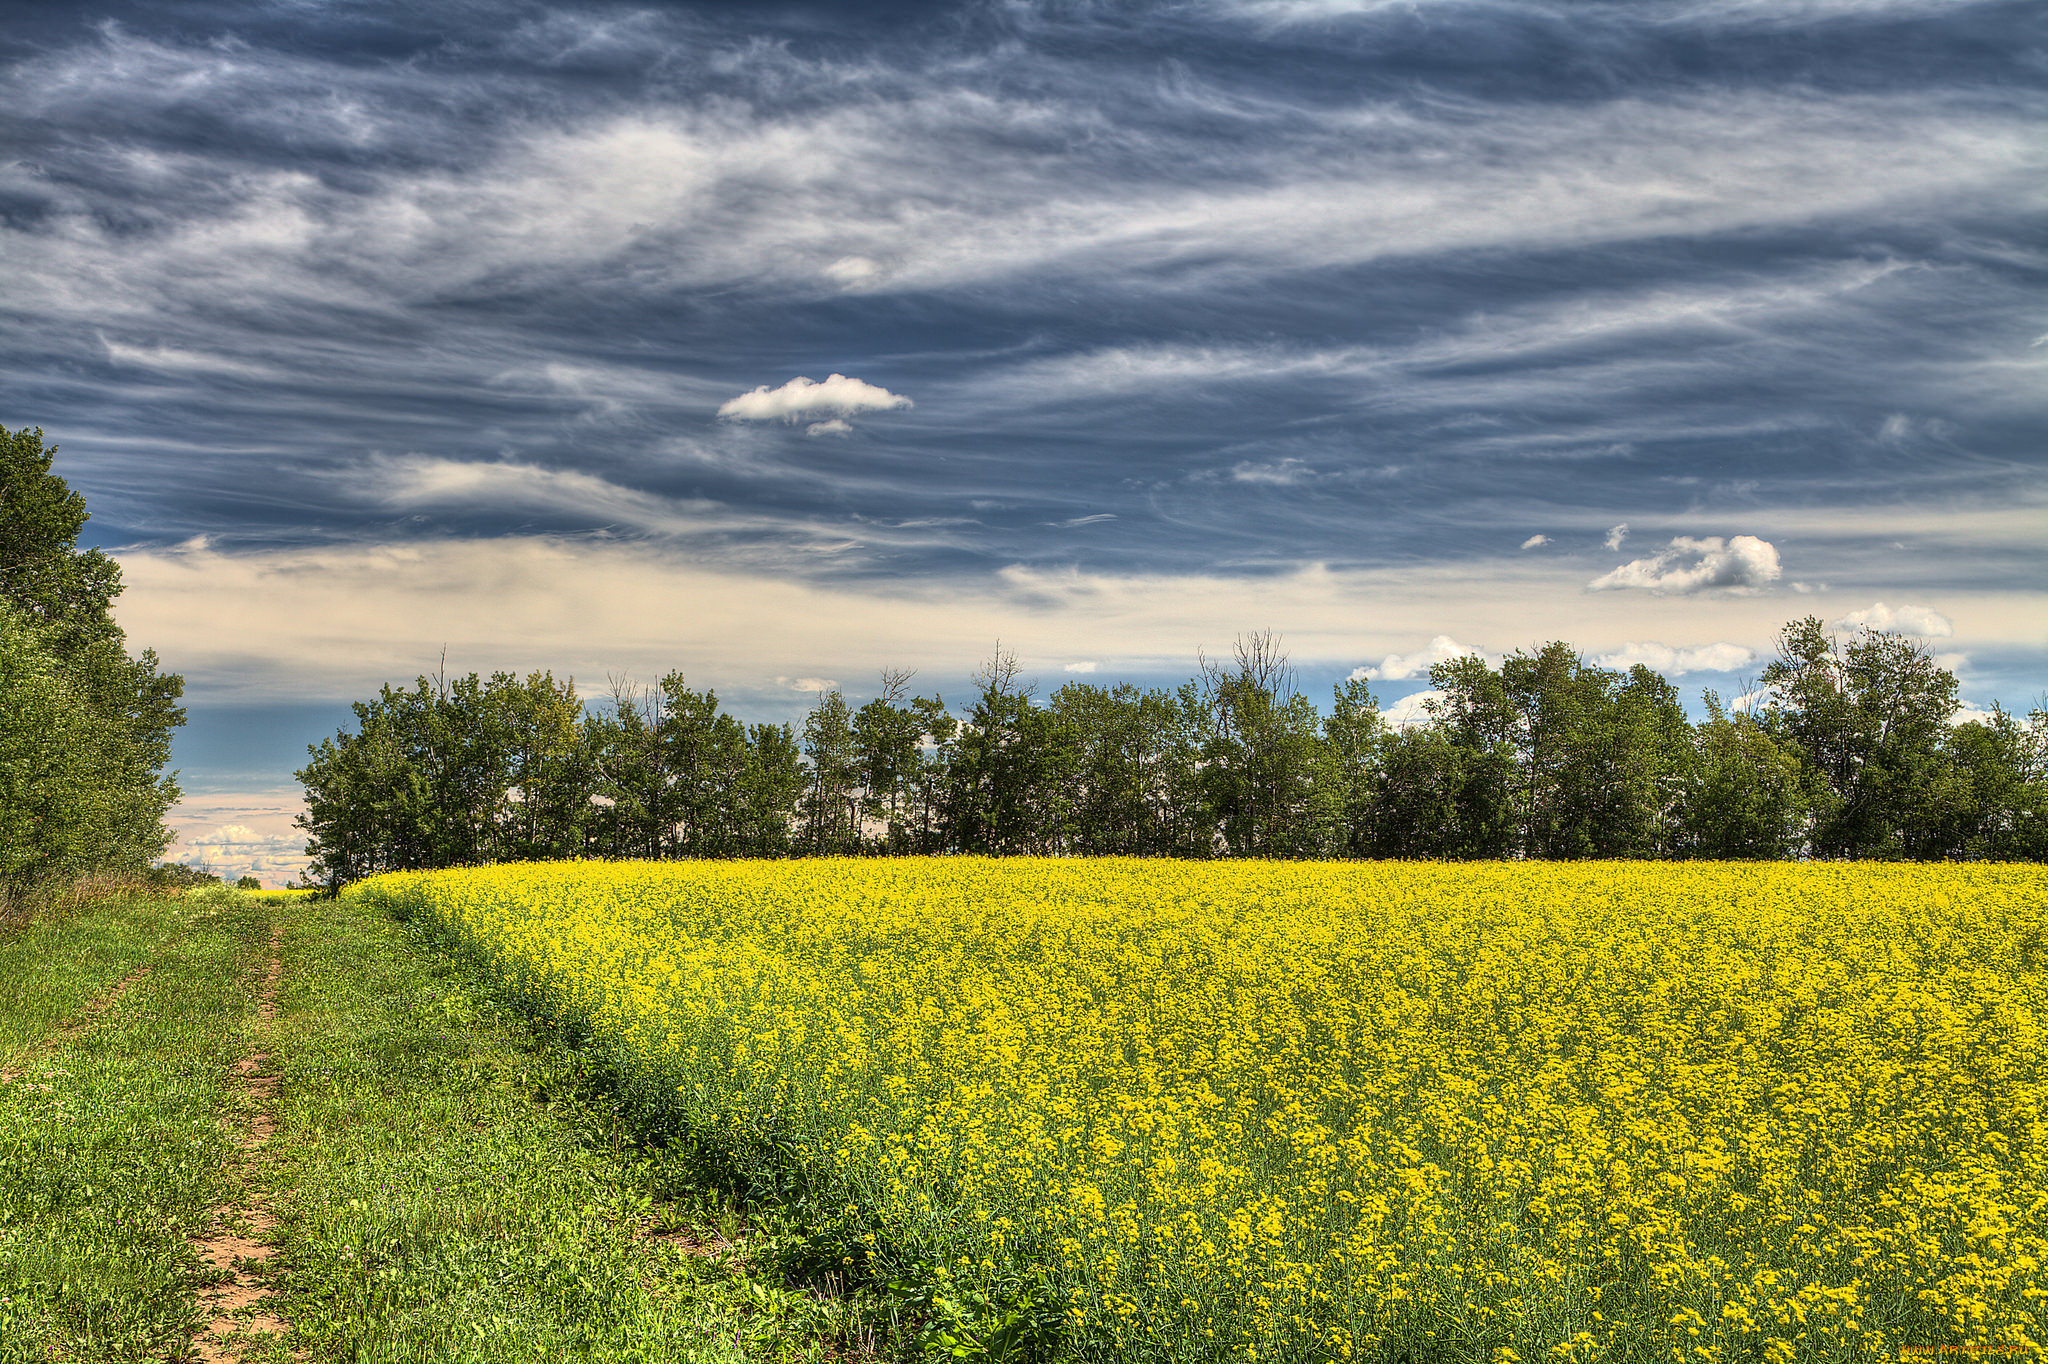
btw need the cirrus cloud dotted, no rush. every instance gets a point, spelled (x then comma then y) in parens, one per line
(1739, 566)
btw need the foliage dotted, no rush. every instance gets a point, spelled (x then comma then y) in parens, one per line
(1889, 775)
(1544, 755)
(1151, 1110)
(179, 876)
(1745, 795)
(84, 728)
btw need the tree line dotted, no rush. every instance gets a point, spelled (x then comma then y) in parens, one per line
(85, 728)
(1847, 752)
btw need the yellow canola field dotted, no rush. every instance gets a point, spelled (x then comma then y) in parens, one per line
(1494, 1111)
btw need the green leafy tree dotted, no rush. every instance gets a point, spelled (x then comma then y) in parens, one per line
(887, 736)
(179, 876)
(832, 791)
(98, 805)
(1870, 720)
(1122, 738)
(1189, 824)
(52, 763)
(1468, 767)
(1439, 795)
(1263, 759)
(547, 807)
(1355, 743)
(448, 774)
(350, 784)
(1014, 767)
(1621, 756)
(43, 573)
(704, 757)
(1992, 801)
(403, 792)
(771, 787)
(468, 750)
(630, 776)
(1545, 755)
(1011, 786)
(1744, 795)
(931, 781)
(1567, 759)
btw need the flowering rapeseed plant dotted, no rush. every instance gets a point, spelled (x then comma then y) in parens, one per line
(1323, 1111)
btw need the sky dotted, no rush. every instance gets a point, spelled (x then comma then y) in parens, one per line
(781, 343)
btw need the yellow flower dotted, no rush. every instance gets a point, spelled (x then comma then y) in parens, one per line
(1299, 1107)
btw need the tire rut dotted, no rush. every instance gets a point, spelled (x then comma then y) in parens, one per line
(81, 1022)
(238, 1316)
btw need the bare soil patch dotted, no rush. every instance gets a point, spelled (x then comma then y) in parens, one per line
(704, 1242)
(241, 1246)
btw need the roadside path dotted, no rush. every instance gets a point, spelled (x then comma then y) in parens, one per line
(238, 1311)
(380, 1160)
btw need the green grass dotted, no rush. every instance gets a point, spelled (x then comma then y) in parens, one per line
(111, 1150)
(449, 1191)
(54, 966)
(447, 1186)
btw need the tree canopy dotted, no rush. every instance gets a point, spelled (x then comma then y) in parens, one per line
(85, 729)
(1847, 752)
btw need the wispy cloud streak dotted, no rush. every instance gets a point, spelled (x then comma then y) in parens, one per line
(1390, 288)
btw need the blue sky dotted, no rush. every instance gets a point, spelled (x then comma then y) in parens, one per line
(779, 343)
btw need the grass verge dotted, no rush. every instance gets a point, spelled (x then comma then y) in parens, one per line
(448, 1188)
(111, 1149)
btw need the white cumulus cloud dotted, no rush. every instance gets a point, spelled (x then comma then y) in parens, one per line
(235, 850)
(1616, 534)
(838, 426)
(1740, 565)
(1902, 619)
(1535, 540)
(1412, 709)
(1398, 667)
(1081, 667)
(800, 398)
(1673, 661)
(248, 834)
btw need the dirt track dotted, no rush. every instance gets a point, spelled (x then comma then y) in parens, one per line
(240, 1245)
